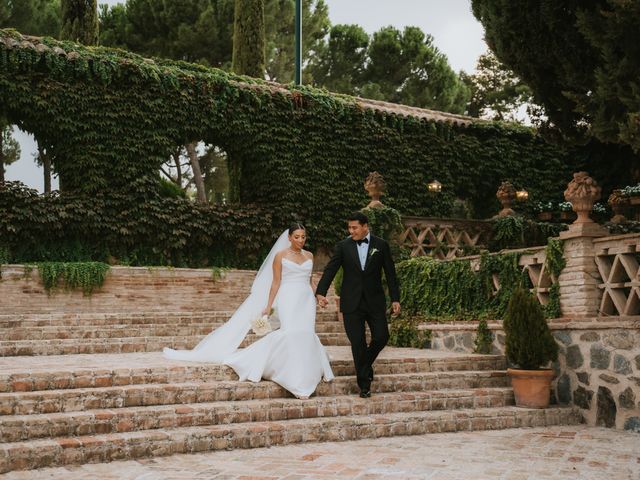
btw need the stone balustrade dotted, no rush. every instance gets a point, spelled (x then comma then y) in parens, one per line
(444, 238)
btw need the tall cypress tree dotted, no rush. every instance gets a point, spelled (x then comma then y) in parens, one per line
(248, 38)
(80, 21)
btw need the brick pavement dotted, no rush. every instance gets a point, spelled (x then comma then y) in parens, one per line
(569, 452)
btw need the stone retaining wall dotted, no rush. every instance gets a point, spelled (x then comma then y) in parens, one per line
(598, 368)
(127, 289)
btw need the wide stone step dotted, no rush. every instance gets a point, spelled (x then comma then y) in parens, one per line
(22, 374)
(130, 318)
(129, 331)
(93, 422)
(83, 399)
(150, 443)
(126, 345)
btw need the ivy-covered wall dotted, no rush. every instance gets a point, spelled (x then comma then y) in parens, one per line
(111, 119)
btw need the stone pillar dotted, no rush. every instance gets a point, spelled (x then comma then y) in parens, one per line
(579, 294)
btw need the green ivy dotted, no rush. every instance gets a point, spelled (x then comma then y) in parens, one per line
(484, 338)
(448, 290)
(404, 332)
(521, 232)
(111, 118)
(76, 275)
(554, 264)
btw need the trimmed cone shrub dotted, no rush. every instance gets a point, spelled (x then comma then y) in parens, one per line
(528, 340)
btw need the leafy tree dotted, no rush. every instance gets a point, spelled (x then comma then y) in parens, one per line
(581, 60)
(340, 63)
(248, 38)
(407, 68)
(496, 92)
(9, 147)
(33, 17)
(198, 31)
(80, 21)
(280, 35)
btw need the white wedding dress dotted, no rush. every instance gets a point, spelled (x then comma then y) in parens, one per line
(291, 356)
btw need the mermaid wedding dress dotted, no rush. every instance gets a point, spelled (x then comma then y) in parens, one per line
(291, 356)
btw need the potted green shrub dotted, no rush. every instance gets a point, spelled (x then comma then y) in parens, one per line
(530, 348)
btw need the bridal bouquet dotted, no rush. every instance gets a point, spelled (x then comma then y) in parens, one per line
(265, 323)
(261, 325)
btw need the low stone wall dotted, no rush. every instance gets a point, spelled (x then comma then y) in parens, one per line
(598, 368)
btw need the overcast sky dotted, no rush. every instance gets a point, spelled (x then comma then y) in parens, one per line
(455, 30)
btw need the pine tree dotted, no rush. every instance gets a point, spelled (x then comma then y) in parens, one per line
(80, 21)
(528, 341)
(248, 38)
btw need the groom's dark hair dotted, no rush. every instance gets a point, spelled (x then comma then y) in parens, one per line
(359, 217)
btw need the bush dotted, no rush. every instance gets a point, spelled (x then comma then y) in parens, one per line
(528, 340)
(484, 338)
(404, 332)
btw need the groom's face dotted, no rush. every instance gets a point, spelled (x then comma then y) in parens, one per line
(357, 230)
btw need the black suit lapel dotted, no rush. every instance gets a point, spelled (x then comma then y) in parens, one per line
(372, 245)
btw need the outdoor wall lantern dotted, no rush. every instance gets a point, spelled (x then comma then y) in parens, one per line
(522, 195)
(434, 186)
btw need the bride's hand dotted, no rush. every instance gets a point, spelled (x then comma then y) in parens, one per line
(265, 311)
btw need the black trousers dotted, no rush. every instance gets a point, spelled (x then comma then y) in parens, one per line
(364, 355)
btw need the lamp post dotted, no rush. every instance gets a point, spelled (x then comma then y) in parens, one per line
(298, 44)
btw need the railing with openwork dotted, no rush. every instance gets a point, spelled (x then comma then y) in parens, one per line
(444, 238)
(618, 260)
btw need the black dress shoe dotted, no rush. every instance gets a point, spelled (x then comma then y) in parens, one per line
(365, 393)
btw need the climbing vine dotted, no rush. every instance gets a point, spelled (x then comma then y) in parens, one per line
(451, 290)
(86, 276)
(112, 118)
(554, 263)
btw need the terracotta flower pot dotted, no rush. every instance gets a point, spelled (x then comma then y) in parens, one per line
(545, 216)
(532, 388)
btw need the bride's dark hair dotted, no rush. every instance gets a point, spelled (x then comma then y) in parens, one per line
(295, 226)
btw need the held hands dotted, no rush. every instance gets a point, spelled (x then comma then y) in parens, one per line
(322, 301)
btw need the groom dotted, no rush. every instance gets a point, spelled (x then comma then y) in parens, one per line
(362, 258)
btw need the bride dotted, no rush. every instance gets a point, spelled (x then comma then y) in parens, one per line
(291, 356)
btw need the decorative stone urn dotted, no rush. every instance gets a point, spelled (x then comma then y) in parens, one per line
(375, 185)
(583, 191)
(619, 204)
(507, 196)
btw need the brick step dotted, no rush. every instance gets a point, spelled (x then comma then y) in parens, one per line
(125, 345)
(82, 399)
(106, 370)
(131, 318)
(94, 422)
(150, 443)
(128, 331)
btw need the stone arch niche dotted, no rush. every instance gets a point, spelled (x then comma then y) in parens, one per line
(199, 169)
(35, 165)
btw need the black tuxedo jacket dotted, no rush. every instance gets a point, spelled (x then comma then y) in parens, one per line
(358, 283)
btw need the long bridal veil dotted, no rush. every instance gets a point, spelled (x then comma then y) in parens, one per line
(226, 339)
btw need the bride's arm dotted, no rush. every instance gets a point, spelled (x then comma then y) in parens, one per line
(314, 284)
(275, 283)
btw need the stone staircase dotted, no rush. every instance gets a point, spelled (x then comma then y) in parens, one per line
(69, 409)
(92, 386)
(57, 334)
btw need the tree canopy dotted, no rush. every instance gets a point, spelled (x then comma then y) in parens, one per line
(580, 58)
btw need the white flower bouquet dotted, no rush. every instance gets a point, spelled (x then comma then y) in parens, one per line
(265, 323)
(261, 325)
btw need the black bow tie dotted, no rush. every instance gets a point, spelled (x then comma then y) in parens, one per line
(364, 240)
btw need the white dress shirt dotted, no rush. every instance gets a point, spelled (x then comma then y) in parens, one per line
(363, 249)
